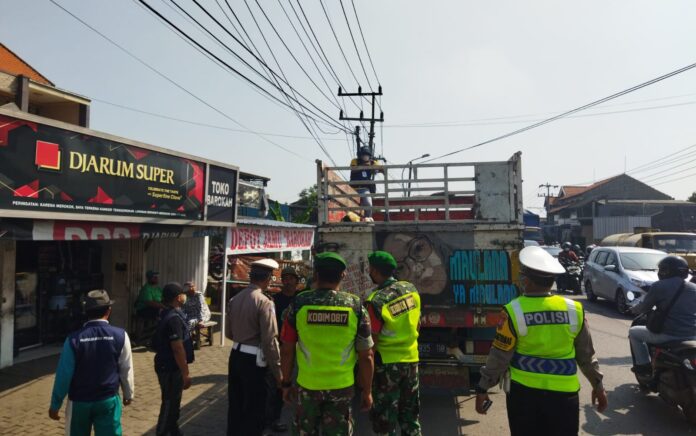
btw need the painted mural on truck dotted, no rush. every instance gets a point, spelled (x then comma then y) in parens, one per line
(447, 271)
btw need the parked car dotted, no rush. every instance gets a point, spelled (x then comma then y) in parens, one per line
(530, 243)
(612, 272)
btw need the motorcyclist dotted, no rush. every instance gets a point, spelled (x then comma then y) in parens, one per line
(578, 251)
(567, 255)
(680, 324)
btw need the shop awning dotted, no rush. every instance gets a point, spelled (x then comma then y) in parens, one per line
(51, 230)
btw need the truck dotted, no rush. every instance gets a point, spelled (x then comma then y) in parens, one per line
(676, 243)
(455, 229)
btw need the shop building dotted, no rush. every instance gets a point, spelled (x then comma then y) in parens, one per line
(80, 210)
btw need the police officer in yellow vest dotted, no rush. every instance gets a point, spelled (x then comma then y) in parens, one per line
(330, 330)
(542, 339)
(394, 309)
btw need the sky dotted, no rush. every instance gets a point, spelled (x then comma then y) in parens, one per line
(482, 69)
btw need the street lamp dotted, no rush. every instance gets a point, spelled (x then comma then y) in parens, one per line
(410, 168)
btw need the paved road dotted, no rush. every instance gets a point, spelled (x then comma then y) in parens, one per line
(25, 391)
(630, 412)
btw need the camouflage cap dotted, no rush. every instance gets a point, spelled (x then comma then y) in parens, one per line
(329, 259)
(382, 258)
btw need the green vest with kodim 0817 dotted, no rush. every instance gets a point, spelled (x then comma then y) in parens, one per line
(546, 329)
(326, 353)
(398, 340)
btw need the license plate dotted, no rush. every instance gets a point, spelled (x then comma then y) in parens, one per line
(444, 377)
(432, 349)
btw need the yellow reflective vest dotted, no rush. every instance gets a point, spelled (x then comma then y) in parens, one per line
(546, 328)
(398, 340)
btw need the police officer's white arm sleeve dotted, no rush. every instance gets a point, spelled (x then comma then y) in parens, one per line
(496, 365)
(205, 310)
(125, 370)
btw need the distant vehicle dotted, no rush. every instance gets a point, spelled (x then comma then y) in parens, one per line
(533, 234)
(530, 243)
(612, 272)
(680, 244)
(552, 250)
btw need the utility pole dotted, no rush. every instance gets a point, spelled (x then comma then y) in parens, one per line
(371, 119)
(548, 187)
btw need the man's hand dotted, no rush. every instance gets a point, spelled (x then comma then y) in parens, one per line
(480, 399)
(599, 397)
(127, 402)
(53, 414)
(366, 401)
(290, 394)
(187, 381)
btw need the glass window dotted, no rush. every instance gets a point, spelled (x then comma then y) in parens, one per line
(611, 259)
(641, 261)
(601, 257)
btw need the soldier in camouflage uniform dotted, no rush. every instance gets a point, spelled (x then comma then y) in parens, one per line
(331, 332)
(394, 309)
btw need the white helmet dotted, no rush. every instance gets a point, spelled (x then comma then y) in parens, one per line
(540, 262)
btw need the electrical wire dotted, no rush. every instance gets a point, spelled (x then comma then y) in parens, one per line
(570, 112)
(362, 35)
(171, 81)
(355, 45)
(527, 116)
(309, 128)
(201, 124)
(326, 14)
(234, 70)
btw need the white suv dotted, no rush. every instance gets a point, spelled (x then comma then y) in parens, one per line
(612, 272)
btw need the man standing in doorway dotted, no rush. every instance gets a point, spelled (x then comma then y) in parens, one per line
(251, 324)
(394, 309)
(333, 332)
(174, 351)
(95, 361)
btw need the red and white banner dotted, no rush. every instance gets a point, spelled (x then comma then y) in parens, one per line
(253, 239)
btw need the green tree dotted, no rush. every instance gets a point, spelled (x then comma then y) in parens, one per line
(692, 197)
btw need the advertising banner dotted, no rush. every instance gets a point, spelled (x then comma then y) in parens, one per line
(222, 192)
(255, 239)
(45, 168)
(446, 273)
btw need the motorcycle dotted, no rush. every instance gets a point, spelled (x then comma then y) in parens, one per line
(571, 279)
(674, 372)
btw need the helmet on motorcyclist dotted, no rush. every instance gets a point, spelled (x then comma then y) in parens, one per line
(576, 248)
(672, 266)
(566, 246)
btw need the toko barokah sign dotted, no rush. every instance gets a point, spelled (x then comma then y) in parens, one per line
(50, 169)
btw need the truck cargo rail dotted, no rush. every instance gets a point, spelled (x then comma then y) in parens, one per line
(476, 192)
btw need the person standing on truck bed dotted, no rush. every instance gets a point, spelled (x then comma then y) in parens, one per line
(251, 324)
(331, 330)
(364, 159)
(394, 309)
(542, 339)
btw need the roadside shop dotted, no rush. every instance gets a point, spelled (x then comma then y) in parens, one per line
(81, 210)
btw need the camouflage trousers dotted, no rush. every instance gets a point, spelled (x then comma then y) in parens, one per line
(396, 399)
(323, 412)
